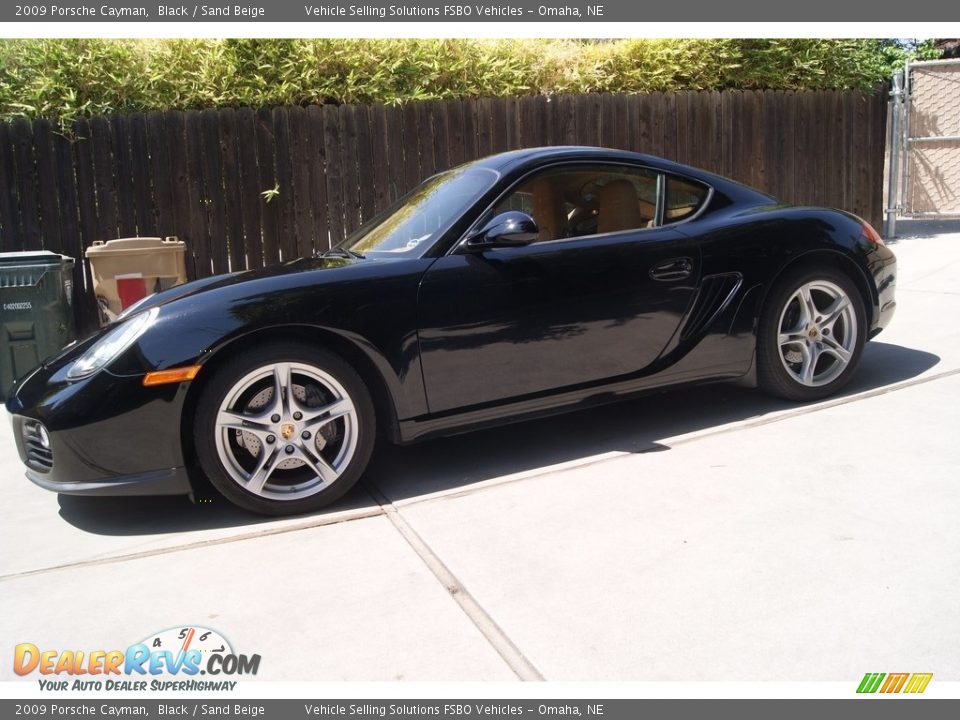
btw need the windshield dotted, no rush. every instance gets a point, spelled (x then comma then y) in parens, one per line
(419, 218)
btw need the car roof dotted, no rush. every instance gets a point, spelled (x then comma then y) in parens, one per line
(529, 158)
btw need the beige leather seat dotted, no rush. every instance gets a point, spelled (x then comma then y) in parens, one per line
(619, 208)
(548, 210)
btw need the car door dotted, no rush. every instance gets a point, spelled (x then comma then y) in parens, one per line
(507, 322)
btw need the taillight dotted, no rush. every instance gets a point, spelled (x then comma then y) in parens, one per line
(871, 235)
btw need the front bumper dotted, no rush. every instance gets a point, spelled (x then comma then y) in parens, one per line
(104, 435)
(160, 482)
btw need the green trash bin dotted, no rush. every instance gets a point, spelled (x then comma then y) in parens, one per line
(36, 311)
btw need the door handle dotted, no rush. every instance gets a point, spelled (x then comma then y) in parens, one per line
(672, 269)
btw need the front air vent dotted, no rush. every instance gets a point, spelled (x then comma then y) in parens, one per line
(36, 442)
(715, 293)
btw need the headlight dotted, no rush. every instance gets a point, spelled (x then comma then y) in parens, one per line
(112, 344)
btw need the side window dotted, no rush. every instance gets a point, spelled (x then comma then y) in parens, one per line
(578, 201)
(684, 198)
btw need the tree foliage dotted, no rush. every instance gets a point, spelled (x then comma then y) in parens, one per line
(62, 79)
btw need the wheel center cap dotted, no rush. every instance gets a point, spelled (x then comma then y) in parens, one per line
(287, 430)
(813, 332)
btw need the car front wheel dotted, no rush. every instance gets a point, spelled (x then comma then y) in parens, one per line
(284, 429)
(811, 335)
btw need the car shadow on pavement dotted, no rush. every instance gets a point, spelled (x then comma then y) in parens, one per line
(157, 515)
(635, 426)
(408, 472)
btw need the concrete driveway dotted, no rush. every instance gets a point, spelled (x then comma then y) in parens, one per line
(706, 534)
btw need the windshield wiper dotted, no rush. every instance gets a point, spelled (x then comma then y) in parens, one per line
(340, 252)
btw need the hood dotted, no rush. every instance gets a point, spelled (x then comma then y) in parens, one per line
(275, 273)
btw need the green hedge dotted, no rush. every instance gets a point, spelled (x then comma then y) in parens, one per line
(65, 78)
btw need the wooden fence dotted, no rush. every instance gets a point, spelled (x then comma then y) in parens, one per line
(200, 175)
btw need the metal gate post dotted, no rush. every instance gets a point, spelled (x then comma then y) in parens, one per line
(896, 95)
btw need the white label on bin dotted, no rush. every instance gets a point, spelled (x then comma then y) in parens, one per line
(18, 306)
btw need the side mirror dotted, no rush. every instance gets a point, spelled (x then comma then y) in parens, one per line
(508, 229)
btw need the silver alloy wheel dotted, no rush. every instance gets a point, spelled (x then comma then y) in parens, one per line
(817, 333)
(286, 431)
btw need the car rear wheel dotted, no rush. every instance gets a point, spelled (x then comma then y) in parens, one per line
(284, 429)
(811, 335)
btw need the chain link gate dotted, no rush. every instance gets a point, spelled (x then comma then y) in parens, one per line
(924, 179)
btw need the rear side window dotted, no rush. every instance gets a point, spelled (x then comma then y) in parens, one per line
(684, 198)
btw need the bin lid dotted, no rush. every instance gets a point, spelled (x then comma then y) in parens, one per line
(33, 257)
(122, 245)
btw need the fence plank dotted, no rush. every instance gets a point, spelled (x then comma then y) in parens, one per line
(269, 214)
(318, 178)
(10, 231)
(303, 208)
(365, 163)
(499, 141)
(159, 150)
(143, 207)
(25, 176)
(348, 167)
(484, 115)
(380, 157)
(471, 134)
(230, 159)
(861, 158)
(249, 190)
(425, 145)
(396, 183)
(878, 114)
(533, 121)
(186, 212)
(86, 195)
(348, 158)
(787, 146)
(331, 143)
(565, 121)
(455, 140)
(47, 188)
(650, 123)
(411, 140)
(198, 203)
(441, 136)
(85, 314)
(213, 192)
(684, 128)
(708, 121)
(285, 201)
(123, 175)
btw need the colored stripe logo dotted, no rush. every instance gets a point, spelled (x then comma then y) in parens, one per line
(894, 682)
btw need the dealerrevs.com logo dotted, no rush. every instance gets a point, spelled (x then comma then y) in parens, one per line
(172, 659)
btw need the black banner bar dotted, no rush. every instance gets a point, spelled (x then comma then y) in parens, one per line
(508, 11)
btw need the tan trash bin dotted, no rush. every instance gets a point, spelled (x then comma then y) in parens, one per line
(128, 269)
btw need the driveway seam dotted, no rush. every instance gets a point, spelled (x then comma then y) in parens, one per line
(493, 633)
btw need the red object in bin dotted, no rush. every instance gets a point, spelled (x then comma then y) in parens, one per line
(130, 288)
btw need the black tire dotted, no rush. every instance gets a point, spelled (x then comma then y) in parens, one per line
(247, 455)
(781, 367)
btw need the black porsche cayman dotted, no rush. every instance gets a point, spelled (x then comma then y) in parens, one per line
(517, 285)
